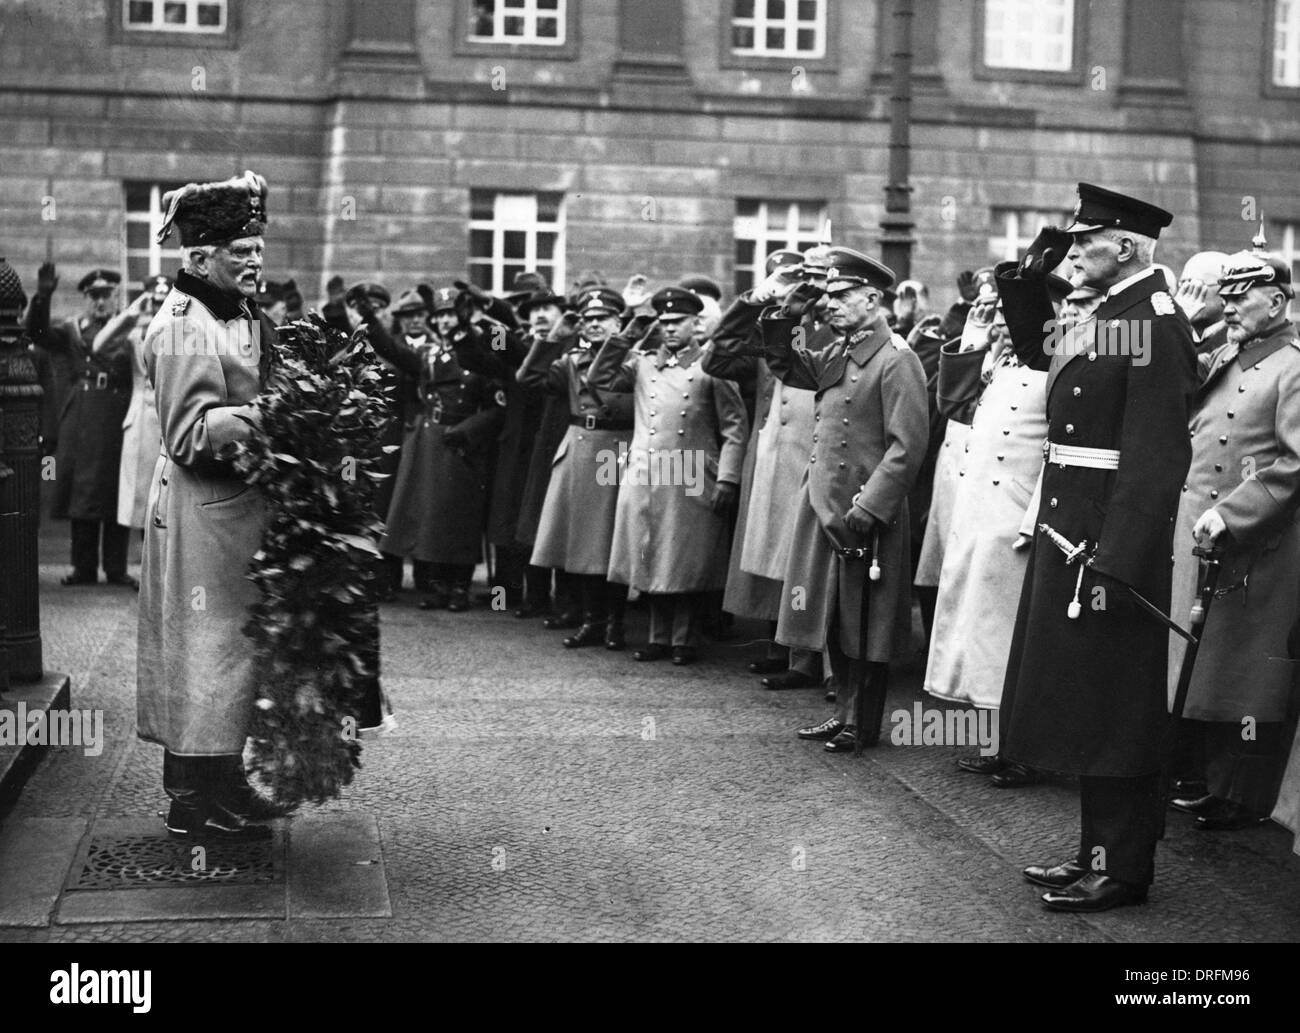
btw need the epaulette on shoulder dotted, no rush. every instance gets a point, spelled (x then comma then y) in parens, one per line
(1163, 304)
(180, 305)
(899, 344)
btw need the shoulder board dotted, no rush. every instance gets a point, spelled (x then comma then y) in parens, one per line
(1163, 304)
(180, 305)
(899, 344)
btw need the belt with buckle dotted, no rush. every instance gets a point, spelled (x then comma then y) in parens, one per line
(590, 421)
(1075, 455)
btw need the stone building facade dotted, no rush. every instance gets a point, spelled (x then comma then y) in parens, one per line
(411, 139)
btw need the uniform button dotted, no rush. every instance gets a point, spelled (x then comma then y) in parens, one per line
(1214, 494)
(164, 481)
(1069, 428)
(1052, 503)
(652, 412)
(967, 448)
(652, 430)
(1014, 408)
(844, 443)
(1241, 388)
(1184, 487)
(1078, 391)
(961, 473)
(1000, 458)
(783, 422)
(1223, 439)
(654, 380)
(157, 521)
(689, 379)
(1218, 468)
(579, 437)
(681, 432)
(1006, 432)
(1092, 356)
(785, 401)
(683, 412)
(818, 416)
(846, 419)
(652, 396)
(686, 397)
(854, 378)
(1231, 414)
(812, 459)
(996, 483)
(841, 466)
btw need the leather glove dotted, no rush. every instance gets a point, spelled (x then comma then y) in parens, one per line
(801, 299)
(724, 497)
(638, 328)
(47, 279)
(859, 521)
(1047, 251)
(966, 285)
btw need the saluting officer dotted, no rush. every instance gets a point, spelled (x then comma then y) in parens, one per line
(682, 472)
(871, 425)
(1085, 685)
(1241, 493)
(89, 452)
(576, 530)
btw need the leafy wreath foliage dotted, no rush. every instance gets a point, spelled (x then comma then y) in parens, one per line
(315, 455)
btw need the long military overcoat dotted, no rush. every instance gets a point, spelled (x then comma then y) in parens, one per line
(576, 531)
(982, 575)
(1086, 696)
(1246, 464)
(689, 434)
(195, 666)
(871, 429)
(141, 440)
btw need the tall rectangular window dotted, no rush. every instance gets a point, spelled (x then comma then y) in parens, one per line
(144, 218)
(539, 22)
(779, 28)
(762, 227)
(1286, 43)
(511, 234)
(1014, 229)
(197, 16)
(1032, 34)
(1284, 238)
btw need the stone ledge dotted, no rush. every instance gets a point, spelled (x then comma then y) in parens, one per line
(52, 692)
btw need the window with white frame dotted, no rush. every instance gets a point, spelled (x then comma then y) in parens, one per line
(1014, 229)
(144, 218)
(762, 227)
(1030, 34)
(1286, 43)
(540, 22)
(778, 28)
(1284, 239)
(197, 16)
(511, 234)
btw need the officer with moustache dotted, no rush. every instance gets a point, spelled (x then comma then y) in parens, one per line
(871, 426)
(1086, 676)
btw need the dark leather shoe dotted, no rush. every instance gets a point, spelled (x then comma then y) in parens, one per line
(830, 695)
(527, 611)
(1057, 876)
(181, 819)
(788, 680)
(562, 621)
(124, 580)
(1189, 788)
(437, 599)
(828, 729)
(1227, 816)
(223, 823)
(588, 635)
(1016, 776)
(769, 665)
(1094, 892)
(982, 765)
(458, 599)
(1193, 804)
(615, 637)
(79, 579)
(683, 655)
(653, 651)
(844, 742)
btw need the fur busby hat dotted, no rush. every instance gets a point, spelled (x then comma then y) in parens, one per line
(214, 213)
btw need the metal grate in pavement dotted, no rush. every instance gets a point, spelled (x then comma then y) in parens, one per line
(145, 861)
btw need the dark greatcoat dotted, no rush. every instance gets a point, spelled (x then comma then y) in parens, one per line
(440, 494)
(525, 405)
(1087, 696)
(88, 457)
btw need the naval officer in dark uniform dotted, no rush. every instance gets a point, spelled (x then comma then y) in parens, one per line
(1085, 684)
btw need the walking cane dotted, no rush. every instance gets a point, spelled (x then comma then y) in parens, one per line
(1208, 578)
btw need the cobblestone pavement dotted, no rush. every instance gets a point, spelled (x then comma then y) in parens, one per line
(533, 793)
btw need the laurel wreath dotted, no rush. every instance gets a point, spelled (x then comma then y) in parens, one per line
(315, 455)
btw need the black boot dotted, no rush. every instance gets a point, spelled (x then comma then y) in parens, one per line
(439, 597)
(458, 598)
(591, 633)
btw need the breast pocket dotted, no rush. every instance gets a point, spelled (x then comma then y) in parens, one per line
(232, 499)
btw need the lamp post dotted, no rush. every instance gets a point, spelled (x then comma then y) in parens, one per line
(896, 226)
